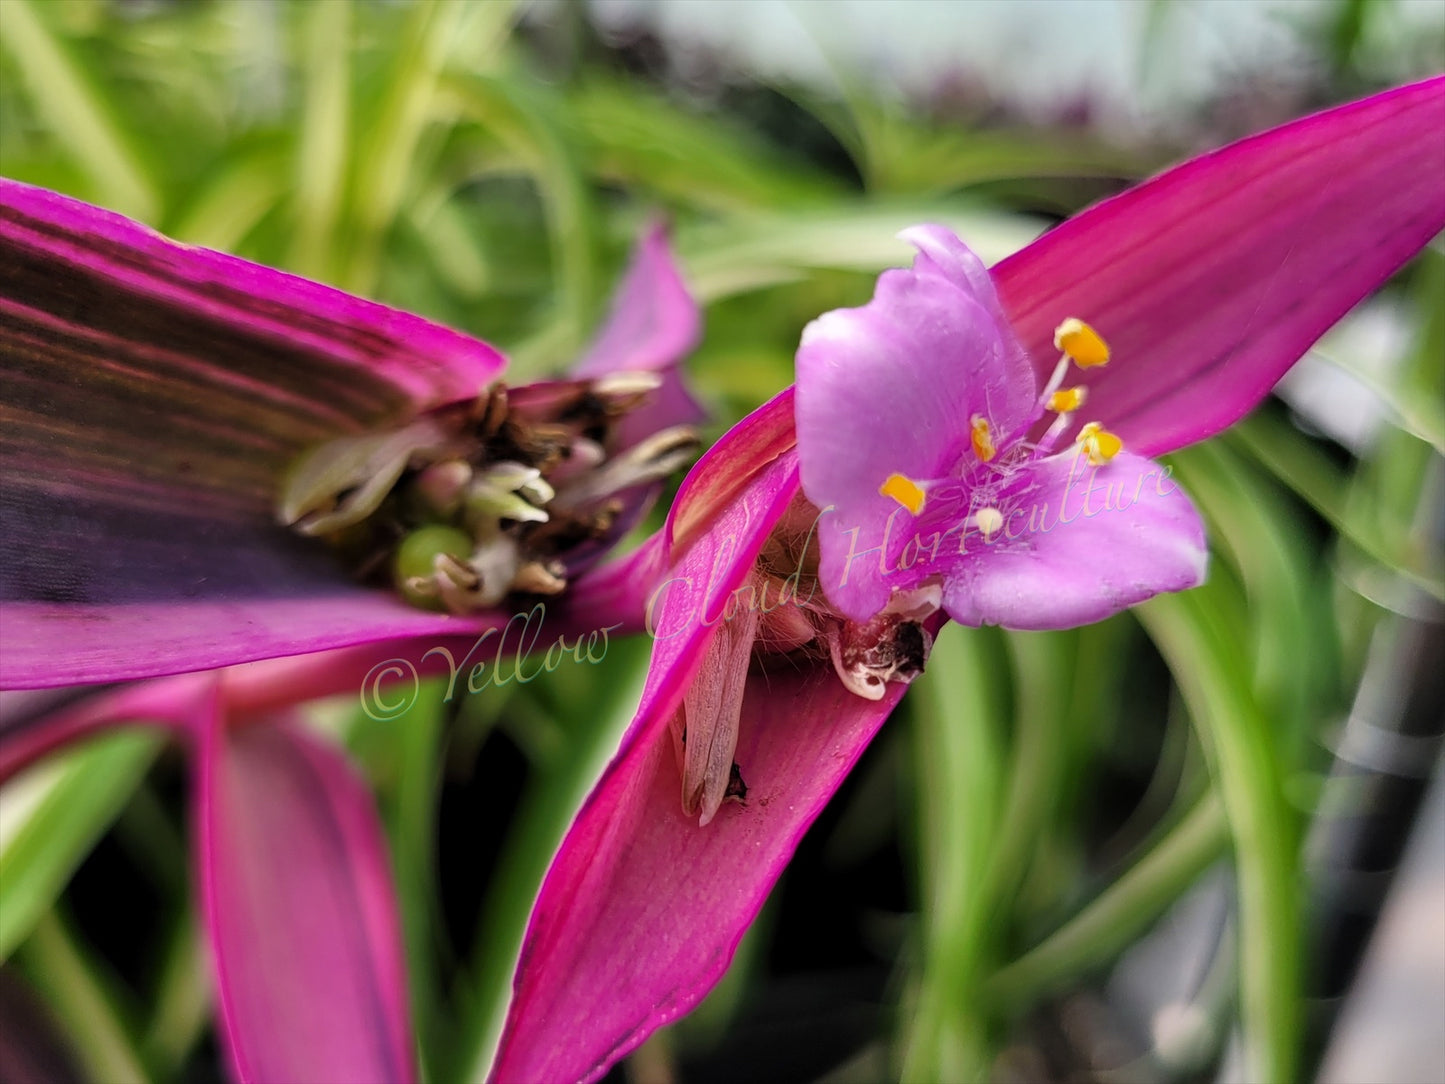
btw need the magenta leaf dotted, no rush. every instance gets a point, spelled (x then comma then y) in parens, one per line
(601, 922)
(645, 905)
(1212, 279)
(34, 722)
(725, 471)
(1208, 282)
(654, 321)
(609, 602)
(300, 909)
(67, 642)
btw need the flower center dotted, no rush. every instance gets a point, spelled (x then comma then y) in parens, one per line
(976, 489)
(471, 502)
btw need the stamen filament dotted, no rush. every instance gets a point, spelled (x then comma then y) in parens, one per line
(1056, 379)
(656, 457)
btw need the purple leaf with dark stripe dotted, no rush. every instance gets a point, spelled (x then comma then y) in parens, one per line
(153, 393)
(611, 597)
(157, 393)
(151, 396)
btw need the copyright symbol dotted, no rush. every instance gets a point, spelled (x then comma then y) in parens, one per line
(385, 673)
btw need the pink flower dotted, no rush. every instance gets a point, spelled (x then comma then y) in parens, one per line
(998, 521)
(1208, 282)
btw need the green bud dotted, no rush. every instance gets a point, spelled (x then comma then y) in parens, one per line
(414, 566)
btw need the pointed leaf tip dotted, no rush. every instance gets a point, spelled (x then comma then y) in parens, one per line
(1212, 279)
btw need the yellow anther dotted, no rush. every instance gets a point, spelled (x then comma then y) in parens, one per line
(905, 491)
(989, 521)
(1068, 400)
(982, 439)
(1084, 346)
(1099, 444)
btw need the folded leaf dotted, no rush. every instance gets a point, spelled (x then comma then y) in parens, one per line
(601, 922)
(49, 822)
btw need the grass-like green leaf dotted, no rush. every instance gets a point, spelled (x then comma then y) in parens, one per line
(390, 150)
(403, 757)
(1294, 646)
(180, 1008)
(64, 93)
(228, 204)
(525, 119)
(75, 987)
(1325, 486)
(758, 250)
(50, 818)
(1204, 655)
(960, 766)
(1119, 914)
(323, 145)
(903, 155)
(635, 136)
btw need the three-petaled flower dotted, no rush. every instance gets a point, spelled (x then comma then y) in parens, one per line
(992, 520)
(1208, 282)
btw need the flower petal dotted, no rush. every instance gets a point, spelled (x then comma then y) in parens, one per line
(1086, 543)
(892, 387)
(1212, 279)
(300, 910)
(153, 395)
(608, 958)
